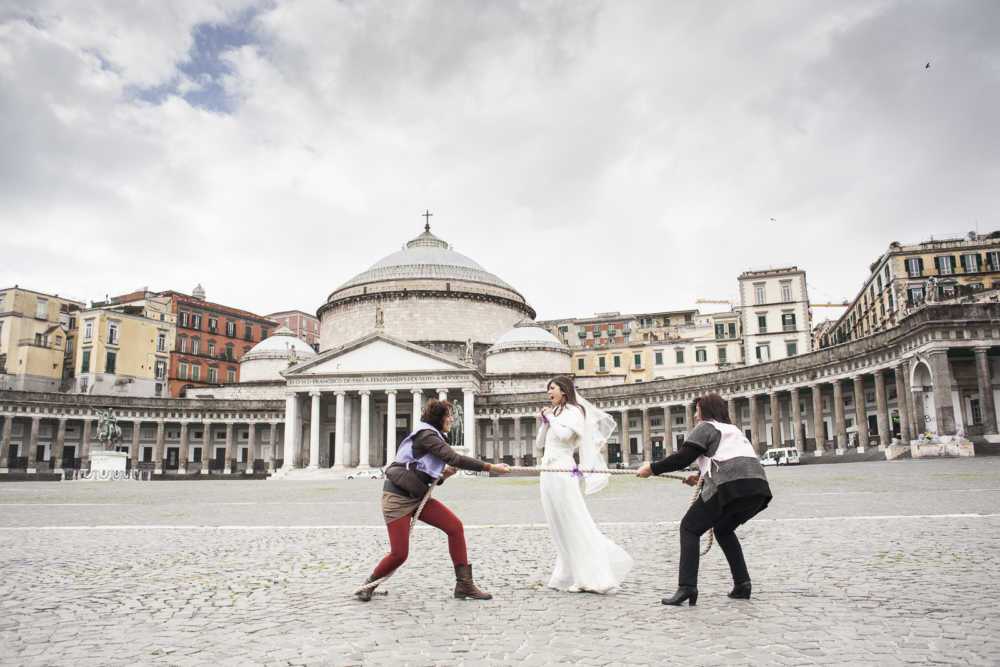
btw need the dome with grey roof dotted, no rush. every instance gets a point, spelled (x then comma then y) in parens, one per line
(269, 357)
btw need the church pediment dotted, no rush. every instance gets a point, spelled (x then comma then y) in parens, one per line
(376, 354)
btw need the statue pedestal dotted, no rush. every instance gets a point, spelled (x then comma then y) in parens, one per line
(107, 466)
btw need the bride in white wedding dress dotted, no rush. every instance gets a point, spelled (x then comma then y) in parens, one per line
(586, 560)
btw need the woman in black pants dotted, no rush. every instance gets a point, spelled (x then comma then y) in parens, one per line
(734, 489)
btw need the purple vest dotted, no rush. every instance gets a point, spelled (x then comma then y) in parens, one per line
(428, 463)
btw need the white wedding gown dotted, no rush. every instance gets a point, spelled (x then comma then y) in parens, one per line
(586, 560)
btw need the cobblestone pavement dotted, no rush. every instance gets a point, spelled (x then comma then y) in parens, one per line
(877, 563)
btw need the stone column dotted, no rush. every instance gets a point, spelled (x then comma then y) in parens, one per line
(364, 448)
(36, 423)
(57, 449)
(340, 433)
(136, 443)
(776, 439)
(731, 406)
(496, 443)
(626, 447)
(273, 437)
(291, 431)
(354, 422)
(230, 459)
(85, 444)
(755, 424)
(314, 431)
(986, 403)
(797, 435)
(442, 394)
(902, 393)
(669, 446)
(251, 446)
(206, 446)
(161, 436)
(469, 427)
(860, 412)
(882, 411)
(182, 454)
(647, 444)
(390, 427)
(689, 416)
(818, 423)
(518, 448)
(8, 428)
(839, 425)
(943, 407)
(418, 405)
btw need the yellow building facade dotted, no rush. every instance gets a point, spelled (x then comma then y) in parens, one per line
(123, 352)
(36, 339)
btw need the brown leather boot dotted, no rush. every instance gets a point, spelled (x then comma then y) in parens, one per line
(366, 594)
(465, 587)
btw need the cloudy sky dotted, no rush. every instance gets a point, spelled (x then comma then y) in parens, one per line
(596, 155)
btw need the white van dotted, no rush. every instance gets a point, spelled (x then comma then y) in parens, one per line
(780, 456)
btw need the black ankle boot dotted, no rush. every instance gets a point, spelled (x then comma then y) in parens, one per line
(740, 591)
(689, 593)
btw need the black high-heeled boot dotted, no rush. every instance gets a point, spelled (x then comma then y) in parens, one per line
(689, 593)
(740, 591)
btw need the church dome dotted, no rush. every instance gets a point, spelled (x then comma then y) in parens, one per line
(528, 349)
(269, 357)
(426, 256)
(527, 337)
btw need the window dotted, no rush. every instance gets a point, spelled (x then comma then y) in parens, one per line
(88, 329)
(213, 324)
(732, 329)
(680, 356)
(112, 333)
(196, 322)
(109, 366)
(161, 369)
(182, 343)
(42, 309)
(970, 263)
(914, 267)
(195, 372)
(195, 346)
(579, 362)
(786, 290)
(72, 323)
(977, 413)
(230, 375)
(247, 332)
(891, 302)
(263, 333)
(185, 319)
(85, 362)
(229, 351)
(945, 264)
(213, 375)
(211, 348)
(788, 321)
(700, 355)
(878, 282)
(791, 348)
(764, 352)
(761, 323)
(231, 329)
(39, 340)
(659, 357)
(722, 355)
(993, 260)
(758, 294)
(637, 360)
(182, 370)
(161, 342)
(617, 361)
(720, 330)
(915, 296)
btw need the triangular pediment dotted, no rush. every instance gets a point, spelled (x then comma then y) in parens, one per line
(376, 354)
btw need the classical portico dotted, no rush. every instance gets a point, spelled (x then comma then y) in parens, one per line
(349, 407)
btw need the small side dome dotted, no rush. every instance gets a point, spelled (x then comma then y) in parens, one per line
(269, 357)
(527, 337)
(528, 349)
(198, 292)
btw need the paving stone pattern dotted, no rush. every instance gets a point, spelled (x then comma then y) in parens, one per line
(242, 573)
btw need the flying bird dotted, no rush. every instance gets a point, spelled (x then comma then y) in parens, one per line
(927, 66)
(773, 220)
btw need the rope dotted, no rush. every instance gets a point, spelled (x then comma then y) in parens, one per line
(574, 471)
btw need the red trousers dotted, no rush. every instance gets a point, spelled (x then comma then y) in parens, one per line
(434, 514)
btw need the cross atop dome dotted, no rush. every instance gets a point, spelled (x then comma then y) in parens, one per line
(427, 217)
(427, 240)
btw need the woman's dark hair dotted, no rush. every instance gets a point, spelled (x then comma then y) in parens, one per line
(435, 412)
(565, 384)
(713, 408)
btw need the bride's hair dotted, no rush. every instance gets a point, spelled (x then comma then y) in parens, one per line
(565, 384)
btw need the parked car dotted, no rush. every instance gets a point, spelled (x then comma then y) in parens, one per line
(780, 456)
(371, 473)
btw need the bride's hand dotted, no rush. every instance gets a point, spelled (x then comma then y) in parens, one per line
(644, 471)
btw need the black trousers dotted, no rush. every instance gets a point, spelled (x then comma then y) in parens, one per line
(698, 520)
